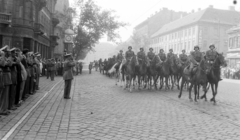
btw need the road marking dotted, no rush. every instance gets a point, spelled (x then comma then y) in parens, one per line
(10, 132)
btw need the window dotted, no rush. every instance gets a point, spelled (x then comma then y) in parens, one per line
(189, 31)
(230, 43)
(193, 31)
(236, 42)
(185, 45)
(238, 46)
(186, 32)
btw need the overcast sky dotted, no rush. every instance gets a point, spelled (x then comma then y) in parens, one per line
(136, 11)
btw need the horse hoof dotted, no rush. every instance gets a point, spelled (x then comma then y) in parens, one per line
(211, 100)
(179, 96)
(214, 103)
(202, 97)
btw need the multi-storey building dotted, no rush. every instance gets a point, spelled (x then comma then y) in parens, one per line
(202, 28)
(63, 13)
(28, 24)
(233, 53)
(156, 21)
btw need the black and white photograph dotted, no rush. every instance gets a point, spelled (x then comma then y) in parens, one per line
(119, 69)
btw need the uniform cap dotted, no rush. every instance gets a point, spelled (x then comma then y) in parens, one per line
(129, 47)
(25, 51)
(212, 46)
(183, 50)
(151, 48)
(141, 48)
(196, 47)
(13, 49)
(170, 49)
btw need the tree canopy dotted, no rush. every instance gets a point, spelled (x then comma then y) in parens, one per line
(94, 23)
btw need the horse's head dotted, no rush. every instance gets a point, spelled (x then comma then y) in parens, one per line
(221, 60)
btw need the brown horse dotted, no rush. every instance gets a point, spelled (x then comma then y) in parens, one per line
(152, 72)
(129, 72)
(164, 73)
(213, 72)
(141, 72)
(199, 78)
(174, 71)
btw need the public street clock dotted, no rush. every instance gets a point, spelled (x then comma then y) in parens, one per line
(68, 39)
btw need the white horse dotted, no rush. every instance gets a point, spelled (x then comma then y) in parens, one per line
(119, 74)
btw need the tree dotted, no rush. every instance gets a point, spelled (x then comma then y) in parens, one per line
(94, 23)
(139, 41)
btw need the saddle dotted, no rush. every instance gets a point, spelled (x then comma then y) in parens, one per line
(188, 71)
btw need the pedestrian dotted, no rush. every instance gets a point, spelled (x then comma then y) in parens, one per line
(4, 97)
(90, 67)
(26, 66)
(68, 75)
(52, 69)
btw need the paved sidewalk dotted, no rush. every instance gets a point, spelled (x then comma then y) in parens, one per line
(99, 110)
(7, 122)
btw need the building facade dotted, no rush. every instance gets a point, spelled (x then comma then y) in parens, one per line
(27, 24)
(201, 28)
(233, 53)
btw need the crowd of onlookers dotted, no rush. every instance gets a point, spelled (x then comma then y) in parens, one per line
(231, 72)
(20, 71)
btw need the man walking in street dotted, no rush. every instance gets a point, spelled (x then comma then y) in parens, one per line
(68, 75)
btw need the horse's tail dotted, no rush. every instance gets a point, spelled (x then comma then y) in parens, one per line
(112, 69)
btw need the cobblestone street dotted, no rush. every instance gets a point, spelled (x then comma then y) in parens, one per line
(99, 110)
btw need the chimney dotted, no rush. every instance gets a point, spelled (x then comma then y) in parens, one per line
(199, 9)
(210, 6)
(231, 8)
(193, 11)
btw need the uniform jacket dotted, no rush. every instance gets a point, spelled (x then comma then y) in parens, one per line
(67, 68)
(211, 55)
(141, 55)
(183, 57)
(196, 56)
(162, 56)
(129, 54)
(119, 57)
(150, 55)
(170, 55)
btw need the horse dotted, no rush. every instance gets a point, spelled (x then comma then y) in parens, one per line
(164, 73)
(120, 72)
(213, 72)
(199, 78)
(129, 72)
(174, 71)
(152, 72)
(141, 72)
(182, 66)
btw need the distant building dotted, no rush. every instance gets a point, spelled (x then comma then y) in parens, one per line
(156, 21)
(202, 28)
(27, 24)
(233, 53)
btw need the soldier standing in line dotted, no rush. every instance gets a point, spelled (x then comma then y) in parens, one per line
(68, 75)
(4, 103)
(13, 69)
(37, 62)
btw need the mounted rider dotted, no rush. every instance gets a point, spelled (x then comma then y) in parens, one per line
(119, 59)
(162, 55)
(141, 55)
(211, 55)
(195, 58)
(183, 58)
(150, 54)
(129, 54)
(170, 55)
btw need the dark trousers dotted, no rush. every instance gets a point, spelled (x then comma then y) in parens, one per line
(12, 96)
(18, 88)
(67, 88)
(80, 70)
(4, 99)
(48, 74)
(31, 85)
(52, 75)
(26, 88)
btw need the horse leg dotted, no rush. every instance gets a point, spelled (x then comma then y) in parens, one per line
(131, 82)
(198, 87)
(216, 87)
(166, 82)
(161, 83)
(181, 88)
(173, 81)
(190, 90)
(213, 92)
(156, 82)
(195, 92)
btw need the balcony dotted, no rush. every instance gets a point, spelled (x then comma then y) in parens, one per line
(54, 39)
(5, 18)
(39, 28)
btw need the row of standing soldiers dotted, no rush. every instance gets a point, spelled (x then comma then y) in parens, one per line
(19, 77)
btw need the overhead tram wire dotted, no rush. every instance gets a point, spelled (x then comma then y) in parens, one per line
(146, 11)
